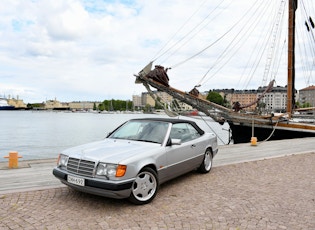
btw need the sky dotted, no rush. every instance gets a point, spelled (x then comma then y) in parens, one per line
(89, 50)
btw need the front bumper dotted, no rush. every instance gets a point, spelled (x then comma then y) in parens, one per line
(112, 189)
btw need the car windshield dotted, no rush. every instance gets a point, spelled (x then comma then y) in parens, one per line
(148, 131)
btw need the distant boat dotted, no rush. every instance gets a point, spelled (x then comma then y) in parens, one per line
(4, 105)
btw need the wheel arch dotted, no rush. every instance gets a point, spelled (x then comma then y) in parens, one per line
(211, 150)
(149, 165)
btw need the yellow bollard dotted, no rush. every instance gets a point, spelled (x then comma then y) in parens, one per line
(13, 159)
(253, 141)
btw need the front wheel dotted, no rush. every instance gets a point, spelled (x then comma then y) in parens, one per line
(206, 164)
(145, 187)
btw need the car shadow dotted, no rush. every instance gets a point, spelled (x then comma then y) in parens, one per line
(172, 188)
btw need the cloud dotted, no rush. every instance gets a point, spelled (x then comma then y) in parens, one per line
(89, 50)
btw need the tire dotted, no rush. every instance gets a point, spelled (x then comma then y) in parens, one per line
(206, 164)
(145, 187)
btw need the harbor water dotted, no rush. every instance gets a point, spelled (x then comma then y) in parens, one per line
(44, 134)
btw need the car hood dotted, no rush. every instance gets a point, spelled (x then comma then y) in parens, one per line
(110, 150)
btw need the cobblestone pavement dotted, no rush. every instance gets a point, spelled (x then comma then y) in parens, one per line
(277, 193)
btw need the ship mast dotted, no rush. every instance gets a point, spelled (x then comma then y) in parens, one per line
(291, 57)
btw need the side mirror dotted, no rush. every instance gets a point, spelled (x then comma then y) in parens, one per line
(176, 141)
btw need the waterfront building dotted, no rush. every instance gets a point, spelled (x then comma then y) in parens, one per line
(146, 99)
(83, 105)
(307, 96)
(274, 101)
(244, 97)
(136, 100)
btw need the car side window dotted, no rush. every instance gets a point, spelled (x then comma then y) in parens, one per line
(184, 131)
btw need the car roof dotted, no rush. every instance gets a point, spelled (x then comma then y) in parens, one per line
(171, 120)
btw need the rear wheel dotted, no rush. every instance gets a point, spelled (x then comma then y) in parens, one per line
(206, 164)
(145, 187)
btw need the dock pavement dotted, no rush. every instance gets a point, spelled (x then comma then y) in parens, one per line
(270, 186)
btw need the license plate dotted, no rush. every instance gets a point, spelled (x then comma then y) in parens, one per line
(75, 180)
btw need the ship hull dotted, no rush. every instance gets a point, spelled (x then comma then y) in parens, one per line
(242, 133)
(7, 107)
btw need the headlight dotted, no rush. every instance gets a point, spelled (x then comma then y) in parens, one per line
(110, 170)
(62, 160)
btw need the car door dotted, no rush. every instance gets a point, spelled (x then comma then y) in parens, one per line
(186, 156)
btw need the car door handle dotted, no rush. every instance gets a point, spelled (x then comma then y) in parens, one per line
(193, 145)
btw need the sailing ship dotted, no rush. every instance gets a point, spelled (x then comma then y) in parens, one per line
(244, 127)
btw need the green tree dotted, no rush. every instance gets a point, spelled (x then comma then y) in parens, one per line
(215, 98)
(117, 105)
(101, 107)
(306, 105)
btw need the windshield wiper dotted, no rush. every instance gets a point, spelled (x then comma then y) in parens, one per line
(156, 142)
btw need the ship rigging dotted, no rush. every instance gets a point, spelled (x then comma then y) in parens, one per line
(242, 125)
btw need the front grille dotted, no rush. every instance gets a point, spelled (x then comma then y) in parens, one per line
(81, 167)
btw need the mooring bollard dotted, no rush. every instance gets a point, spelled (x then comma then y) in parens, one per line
(253, 141)
(13, 159)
